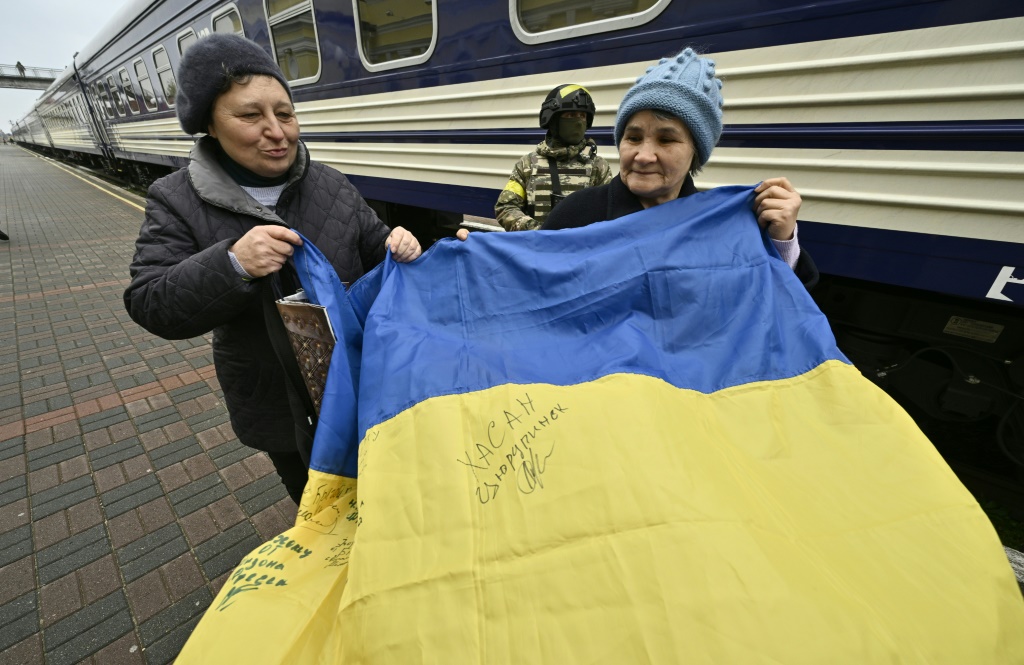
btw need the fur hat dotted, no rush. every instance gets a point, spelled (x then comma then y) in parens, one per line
(205, 69)
(685, 87)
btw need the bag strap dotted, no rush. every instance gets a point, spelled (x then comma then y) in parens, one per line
(301, 405)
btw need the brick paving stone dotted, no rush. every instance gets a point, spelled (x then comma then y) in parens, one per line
(137, 467)
(68, 494)
(130, 495)
(115, 453)
(72, 553)
(124, 529)
(176, 451)
(260, 494)
(228, 453)
(73, 468)
(153, 440)
(84, 515)
(88, 630)
(210, 438)
(173, 477)
(157, 419)
(29, 650)
(50, 530)
(237, 475)
(58, 599)
(259, 465)
(13, 514)
(43, 478)
(107, 478)
(151, 551)
(19, 578)
(147, 596)
(198, 466)
(99, 578)
(122, 431)
(269, 522)
(97, 439)
(13, 489)
(15, 544)
(197, 494)
(182, 576)
(176, 622)
(12, 447)
(104, 419)
(199, 526)
(139, 407)
(123, 651)
(155, 514)
(227, 512)
(20, 619)
(223, 552)
(56, 452)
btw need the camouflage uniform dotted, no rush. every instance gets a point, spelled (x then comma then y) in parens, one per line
(529, 188)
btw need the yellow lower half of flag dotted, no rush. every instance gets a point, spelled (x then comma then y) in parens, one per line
(625, 520)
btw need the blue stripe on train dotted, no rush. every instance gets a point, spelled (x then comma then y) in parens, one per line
(997, 135)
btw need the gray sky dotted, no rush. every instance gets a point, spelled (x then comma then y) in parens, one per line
(44, 33)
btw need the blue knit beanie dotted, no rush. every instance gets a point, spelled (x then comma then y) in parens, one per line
(206, 67)
(684, 86)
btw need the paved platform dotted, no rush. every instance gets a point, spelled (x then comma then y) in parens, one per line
(125, 497)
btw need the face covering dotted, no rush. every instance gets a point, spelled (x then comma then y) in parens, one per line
(571, 130)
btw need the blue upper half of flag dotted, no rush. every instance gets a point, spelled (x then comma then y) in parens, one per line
(690, 292)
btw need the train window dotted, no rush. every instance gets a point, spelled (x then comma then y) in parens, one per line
(396, 33)
(165, 75)
(129, 90)
(228, 20)
(186, 39)
(293, 38)
(142, 74)
(118, 102)
(538, 21)
(101, 94)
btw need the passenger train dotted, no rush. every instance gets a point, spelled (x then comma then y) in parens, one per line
(901, 122)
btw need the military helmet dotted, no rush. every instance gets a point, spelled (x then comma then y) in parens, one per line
(567, 97)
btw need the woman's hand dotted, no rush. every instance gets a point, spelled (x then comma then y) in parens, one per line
(776, 207)
(265, 249)
(462, 234)
(403, 245)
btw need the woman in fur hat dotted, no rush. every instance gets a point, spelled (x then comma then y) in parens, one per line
(212, 253)
(666, 127)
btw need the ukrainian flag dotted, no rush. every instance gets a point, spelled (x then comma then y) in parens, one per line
(630, 443)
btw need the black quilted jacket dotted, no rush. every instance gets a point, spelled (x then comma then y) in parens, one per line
(183, 284)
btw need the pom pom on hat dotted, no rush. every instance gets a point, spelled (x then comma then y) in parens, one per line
(685, 87)
(205, 67)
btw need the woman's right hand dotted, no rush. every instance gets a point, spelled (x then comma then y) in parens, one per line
(265, 249)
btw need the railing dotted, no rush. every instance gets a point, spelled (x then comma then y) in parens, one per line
(29, 72)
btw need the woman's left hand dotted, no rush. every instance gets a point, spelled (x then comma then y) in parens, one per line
(776, 206)
(403, 244)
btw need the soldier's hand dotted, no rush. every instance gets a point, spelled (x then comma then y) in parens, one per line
(264, 249)
(403, 245)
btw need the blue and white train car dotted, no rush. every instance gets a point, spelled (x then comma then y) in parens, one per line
(901, 122)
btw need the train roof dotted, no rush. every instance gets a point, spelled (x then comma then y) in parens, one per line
(119, 23)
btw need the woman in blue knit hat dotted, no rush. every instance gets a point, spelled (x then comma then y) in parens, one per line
(667, 125)
(212, 254)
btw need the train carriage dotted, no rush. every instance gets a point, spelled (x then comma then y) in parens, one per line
(901, 122)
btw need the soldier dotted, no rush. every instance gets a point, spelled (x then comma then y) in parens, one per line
(564, 162)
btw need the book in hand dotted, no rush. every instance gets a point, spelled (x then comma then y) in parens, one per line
(312, 339)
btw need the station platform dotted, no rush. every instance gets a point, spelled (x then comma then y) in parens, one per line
(125, 497)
